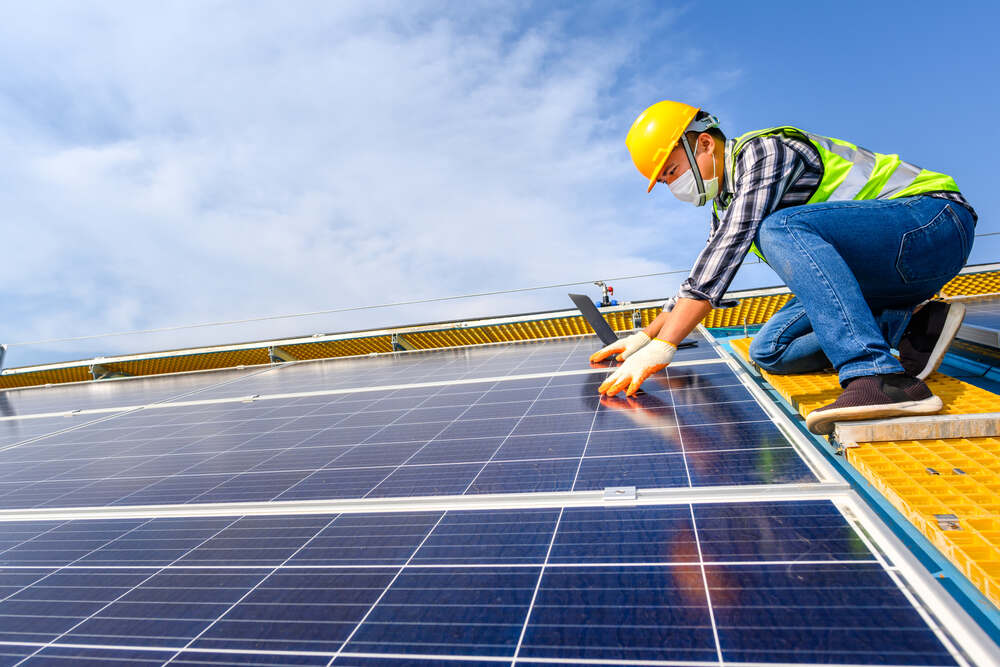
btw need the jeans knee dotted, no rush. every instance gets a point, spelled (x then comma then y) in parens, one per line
(761, 353)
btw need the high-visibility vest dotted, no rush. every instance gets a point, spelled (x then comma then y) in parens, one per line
(850, 172)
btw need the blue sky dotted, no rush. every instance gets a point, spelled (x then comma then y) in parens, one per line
(206, 161)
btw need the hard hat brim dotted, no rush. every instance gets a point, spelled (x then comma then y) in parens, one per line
(658, 171)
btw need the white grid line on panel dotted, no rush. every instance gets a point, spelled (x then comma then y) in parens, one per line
(251, 590)
(538, 584)
(386, 589)
(118, 411)
(507, 437)
(154, 574)
(697, 542)
(57, 570)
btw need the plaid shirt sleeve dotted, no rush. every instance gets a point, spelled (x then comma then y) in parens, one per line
(763, 173)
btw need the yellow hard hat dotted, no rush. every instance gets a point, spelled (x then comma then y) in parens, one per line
(654, 134)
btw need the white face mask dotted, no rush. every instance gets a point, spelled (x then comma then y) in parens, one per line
(685, 187)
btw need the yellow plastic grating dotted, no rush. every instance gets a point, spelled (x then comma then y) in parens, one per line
(956, 477)
(808, 391)
(192, 362)
(973, 283)
(648, 315)
(753, 310)
(515, 331)
(55, 376)
(340, 348)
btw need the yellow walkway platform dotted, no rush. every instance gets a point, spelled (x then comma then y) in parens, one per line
(948, 488)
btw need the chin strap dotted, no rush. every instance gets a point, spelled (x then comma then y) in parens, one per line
(697, 172)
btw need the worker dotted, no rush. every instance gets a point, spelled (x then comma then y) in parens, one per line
(863, 240)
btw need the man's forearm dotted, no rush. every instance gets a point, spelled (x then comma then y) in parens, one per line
(679, 322)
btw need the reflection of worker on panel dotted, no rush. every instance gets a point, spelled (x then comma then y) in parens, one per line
(863, 239)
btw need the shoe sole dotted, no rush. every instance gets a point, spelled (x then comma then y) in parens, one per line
(822, 422)
(952, 323)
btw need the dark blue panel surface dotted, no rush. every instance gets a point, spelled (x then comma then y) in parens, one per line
(516, 536)
(65, 656)
(615, 613)
(783, 531)
(779, 465)
(477, 611)
(300, 609)
(630, 535)
(40, 605)
(782, 613)
(663, 470)
(525, 476)
(248, 659)
(168, 608)
(620, 583)
(367, 539)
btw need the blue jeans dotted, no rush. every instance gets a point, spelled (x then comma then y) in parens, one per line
(857, 268)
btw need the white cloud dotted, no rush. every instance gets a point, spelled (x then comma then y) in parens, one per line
(196, 162)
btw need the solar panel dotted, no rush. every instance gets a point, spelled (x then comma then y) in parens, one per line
(532, 435)
(982, 322)
(476, 579)
(547, 356)
(564, 584)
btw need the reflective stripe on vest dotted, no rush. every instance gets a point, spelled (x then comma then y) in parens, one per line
(851, 172)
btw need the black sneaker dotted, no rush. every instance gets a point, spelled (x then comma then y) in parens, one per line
(927, 337)
(875, 397)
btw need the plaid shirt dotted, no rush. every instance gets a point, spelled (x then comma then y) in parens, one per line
(771, 173)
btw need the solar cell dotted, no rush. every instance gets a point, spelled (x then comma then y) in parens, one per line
(525, 435)
(566, 585)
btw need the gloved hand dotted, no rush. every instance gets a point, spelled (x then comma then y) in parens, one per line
(624, 347)
(653, 357)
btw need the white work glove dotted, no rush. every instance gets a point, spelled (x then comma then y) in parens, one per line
(638, 367)
(624, 347)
